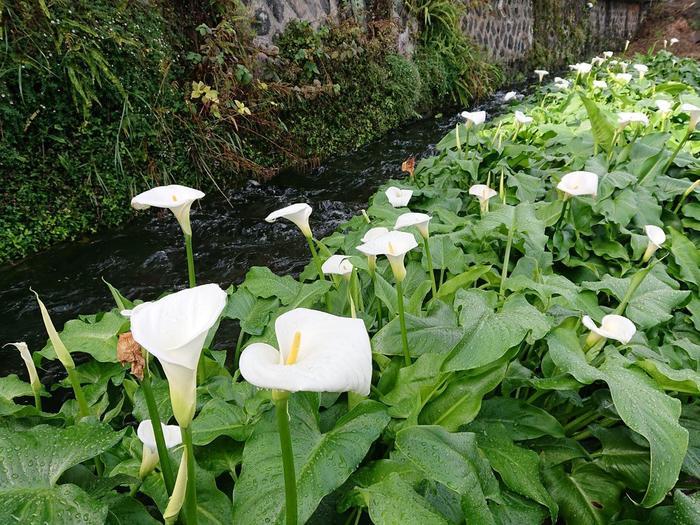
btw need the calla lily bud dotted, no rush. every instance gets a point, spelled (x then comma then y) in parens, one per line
(473, 118)
(29, 363)
(174, 329)
(579, 183)
(398, 198)
(373, 233)
(625, 118)
(541, 73)
(338, 265)
(656, 238)
(61, 351)
(612, 326)
(627, 45)
(298, 214)
(483, 193)
(317, 352)
(172, 435)
(176, 198)
(694, 112)
(419, 220)
(177, 498)
(394, 245)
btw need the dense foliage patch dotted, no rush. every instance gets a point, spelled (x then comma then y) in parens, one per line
(509, 411)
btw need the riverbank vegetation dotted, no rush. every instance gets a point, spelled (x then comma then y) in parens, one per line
(524, 349)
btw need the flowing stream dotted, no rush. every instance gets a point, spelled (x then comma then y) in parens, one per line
(146, 257)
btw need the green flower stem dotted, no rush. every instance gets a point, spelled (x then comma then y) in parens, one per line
(163, 456)
(687, 192)
(317, 260)
(564, 209)
(506, 260)
(580, 422)
(402, 322)
(191, 495)
(239, 345)
(377, 300)
(431, 271)
(675, 153)
(637, 280)
(37, 399)
(290, 484)
(190, 261)
(78, 391)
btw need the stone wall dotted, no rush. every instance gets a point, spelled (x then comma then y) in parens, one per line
(506, 29)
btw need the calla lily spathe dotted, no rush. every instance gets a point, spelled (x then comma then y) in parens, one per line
(419, 220)
(694, 112)
(600, 84)
(174, 197)
(26, 356)
(664, 107)
(608, 54)
(173, 329)
(579, 183)
(398, 198)
(625, 118)
(582, 68)
(561, 83)
(483, 193)
(370, 235)
(641, 69)
(522, 118)
(338, 265)
(511, 95)
(596, 61)
(395, 245)
(612, 326)
(297, 213)
(673, 41)
(149, 458)
(473, 118)
(541, 73)
(623, 78)
(318, 352)
(656, 238)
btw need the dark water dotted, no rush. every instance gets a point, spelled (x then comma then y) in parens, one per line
(147, 257)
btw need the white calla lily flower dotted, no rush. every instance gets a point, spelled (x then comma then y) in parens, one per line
(541, 73)
(579, 183)
(656, 238)
(608, 54)
(582, 68)
(612, 326)
(483, 193)
(511, 95)
(338, 265)
(664, 106)
(624, 66)
(178, 199)
(26, 356)
(419, 220)
(473, 118)
(673, 41)
(149, 459)
(641, 69)
(174, 329)
(370, 235)
(623, 78)
(398, 198)
(296, 213)
(694, 112)
(318, 352)
(596, 61)
(394, 245)
(522, 118)
(600, 84)
(625, 118)
(561, 83)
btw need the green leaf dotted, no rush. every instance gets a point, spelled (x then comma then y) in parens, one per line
(463, 280)
(96, 338)
(322, 461)
(460, 402)
(520, 419)
(261, 282)
(122, 302)
(687, 257)
(219, 418)
(586, 495)
(12, 386)
(61, 505)
(624, 456)
(488, 335)
(602, 125)
(519, 468)
(686, 508)
(394, 501)
(455, 461)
